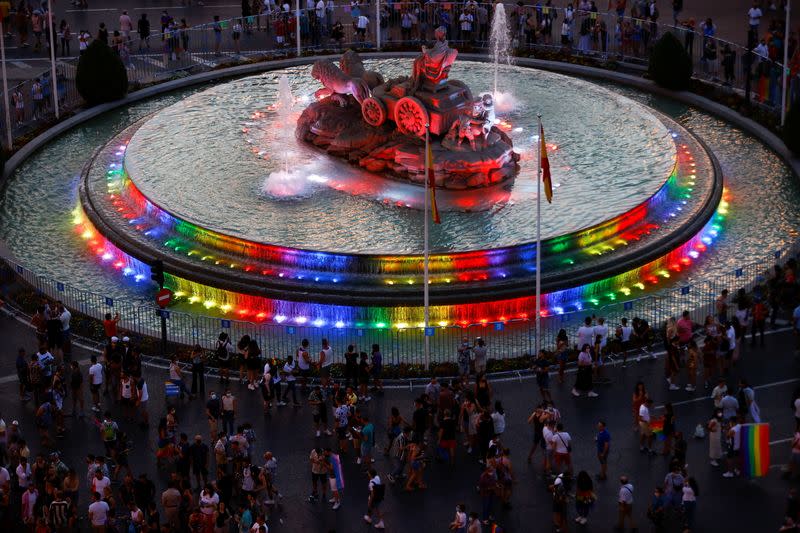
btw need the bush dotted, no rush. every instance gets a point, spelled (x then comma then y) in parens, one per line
(670, 65)
(101, 76)
(791, 130)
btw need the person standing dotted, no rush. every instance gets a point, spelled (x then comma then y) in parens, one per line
(584, 497)
(170, 501)
(304, 362)
(319, 469)
(479, 354)
(734, 444)
(125, 26)
(603, 440)
(224, 352)
(562, 446)
(754, 15)
(377, 490)
(645, 431)
(541, 366)
(98, 513)
(198, 455)
(376, 368)
(95, 382)
(228, 412)
(350, 367)
(625, 503)
(319, 410)
(288, 375)
(715, 438)
(198, 370)
(143, 28)
(583, 379)
(325, 362)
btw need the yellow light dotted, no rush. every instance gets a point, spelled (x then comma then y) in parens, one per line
(389, 282)
(225, 308)
(209, 304)
(87, 234)
(401, 325)
(639, 286)
(421, 324)
(625, 290)
(443, 323)
(194, 299)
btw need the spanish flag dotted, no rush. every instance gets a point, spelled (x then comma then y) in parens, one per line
(546, 180)
(432, 183)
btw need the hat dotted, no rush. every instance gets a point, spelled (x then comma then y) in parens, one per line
(114, 339)
(126, 339)
(15, 423)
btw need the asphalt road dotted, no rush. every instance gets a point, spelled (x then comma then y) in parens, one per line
(724, 505)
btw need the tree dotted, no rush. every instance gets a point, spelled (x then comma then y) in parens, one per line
(101, 76)
(791, 130)
(670, 65)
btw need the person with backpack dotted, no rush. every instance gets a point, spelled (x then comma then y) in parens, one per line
(224, 351)
(108, 432)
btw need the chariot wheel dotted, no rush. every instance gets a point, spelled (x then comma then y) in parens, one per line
(373, 111)
(411, 116)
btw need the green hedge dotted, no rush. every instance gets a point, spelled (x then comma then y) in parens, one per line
(101, 76)
(670, 66)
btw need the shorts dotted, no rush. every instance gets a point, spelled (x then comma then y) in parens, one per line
(341, 433)
(318, 477)
(325, 372)
(236, 35)
(562, 458)
(644, 427)
(366, 449)
(334, 486)
(126, 401)
(94, 388)
(603, 458)
(213, 424)
(224, 364)
(253, 363)
(448, 444)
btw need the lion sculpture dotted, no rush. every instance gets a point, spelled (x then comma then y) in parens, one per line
(337, 84)
(351, 64)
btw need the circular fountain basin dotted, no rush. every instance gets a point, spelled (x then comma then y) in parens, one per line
(134, 194)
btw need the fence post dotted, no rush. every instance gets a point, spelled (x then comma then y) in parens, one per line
(7, 110)
(297, 25)
(377, 24)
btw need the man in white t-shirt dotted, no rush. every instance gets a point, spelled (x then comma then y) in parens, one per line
(547, 436)
(562, 449)
(23, 472)
(625, 501)
(98, 512)
(362, 23)
(645, 431)
(99, 481)
(586, 333)
(95, 382)
(754, 15)
(304, 361)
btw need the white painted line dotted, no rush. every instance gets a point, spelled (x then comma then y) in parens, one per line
(162, 8)
(197, 59)
(706, 396)
(98, 9)
(780, 441)
(152, 61)
(20, 64)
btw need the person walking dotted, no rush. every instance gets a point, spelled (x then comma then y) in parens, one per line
(645, 431)
(584, 497)
(377, 491)
(198, 370)
(689, 503)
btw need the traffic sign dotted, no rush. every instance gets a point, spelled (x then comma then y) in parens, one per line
(429, 331)
(163, 297)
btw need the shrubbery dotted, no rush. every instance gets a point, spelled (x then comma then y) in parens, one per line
(101, 76)
(670, 65)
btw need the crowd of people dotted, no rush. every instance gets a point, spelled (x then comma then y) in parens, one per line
(216, 481)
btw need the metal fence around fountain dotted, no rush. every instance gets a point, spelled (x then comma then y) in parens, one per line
(194, 49)
(504, 339)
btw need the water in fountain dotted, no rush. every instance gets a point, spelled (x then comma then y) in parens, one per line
(284, 183)
(500, 44)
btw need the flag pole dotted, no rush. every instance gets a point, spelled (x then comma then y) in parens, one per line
(425, 278)
(785, 62)
(538, 237)
(9, 137)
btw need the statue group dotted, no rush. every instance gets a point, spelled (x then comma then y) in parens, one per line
(398, 113)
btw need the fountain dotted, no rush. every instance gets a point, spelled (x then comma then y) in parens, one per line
(469, 150)
(500, 44)
(284, 183)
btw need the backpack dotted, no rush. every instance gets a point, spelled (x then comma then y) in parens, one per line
(108, 431)
(222, 351)
(34, 374)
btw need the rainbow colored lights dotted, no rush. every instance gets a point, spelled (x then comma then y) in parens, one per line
(676, 200)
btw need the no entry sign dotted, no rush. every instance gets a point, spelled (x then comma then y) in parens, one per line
(163, 297)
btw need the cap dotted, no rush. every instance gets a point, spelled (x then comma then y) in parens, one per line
(126, 339)
(15, 423)
(114, 339)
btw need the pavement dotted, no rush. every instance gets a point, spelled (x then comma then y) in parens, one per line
(23, 63)
(724, 504)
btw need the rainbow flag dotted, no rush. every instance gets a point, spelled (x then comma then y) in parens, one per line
(338, 473)
(657, 427)
(432, 182)
(546, 179)
(755, 449)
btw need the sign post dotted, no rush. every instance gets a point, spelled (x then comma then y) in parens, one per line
(163, 297)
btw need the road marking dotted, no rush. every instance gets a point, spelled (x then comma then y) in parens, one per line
(95, 10)
(780, 441)
(158, 7)
(20, 64)
(201, 61)
(152, 61)
(706, 397)
(13, 377)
